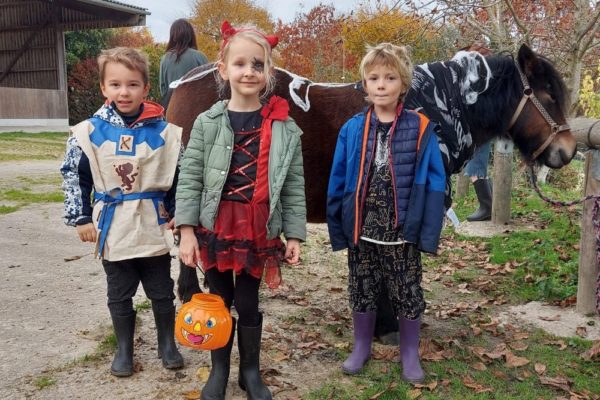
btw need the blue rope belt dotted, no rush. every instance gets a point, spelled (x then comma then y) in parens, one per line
(111, 200)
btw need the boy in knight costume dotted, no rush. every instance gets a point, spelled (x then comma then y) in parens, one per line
(127, 155)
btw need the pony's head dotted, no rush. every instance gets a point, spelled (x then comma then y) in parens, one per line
(538, 126)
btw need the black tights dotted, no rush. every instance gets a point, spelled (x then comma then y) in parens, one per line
(243, 293)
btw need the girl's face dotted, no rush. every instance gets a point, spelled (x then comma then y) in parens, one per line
(244, 68)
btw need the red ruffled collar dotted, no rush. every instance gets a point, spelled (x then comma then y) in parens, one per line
(276, 109)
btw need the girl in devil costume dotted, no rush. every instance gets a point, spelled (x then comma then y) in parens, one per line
(241, 186)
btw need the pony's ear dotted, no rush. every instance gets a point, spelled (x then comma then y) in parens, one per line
(528, 60)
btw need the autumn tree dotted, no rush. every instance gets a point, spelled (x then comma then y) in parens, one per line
(208, 15)
(566, 31)
(311, 45)
(136, 37)
(375, 22)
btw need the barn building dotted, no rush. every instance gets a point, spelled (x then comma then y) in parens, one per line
(33, 77)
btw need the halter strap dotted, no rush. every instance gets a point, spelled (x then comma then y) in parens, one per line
(528, 94)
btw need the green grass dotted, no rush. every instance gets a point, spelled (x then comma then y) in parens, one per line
(383, 378)
(44, 381)
(545, 250)
(18, 198)
(19, 146)
(144, 305)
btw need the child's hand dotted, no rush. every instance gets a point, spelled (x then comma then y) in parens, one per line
(86, 232)
(171, 226)
(292, 252)
(189, 253)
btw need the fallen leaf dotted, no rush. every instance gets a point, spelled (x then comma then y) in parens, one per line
(540, 368)
(559, 382)
(519, 346)
(593, 352)
(513, 361)
(202, 373)
(469, 382)
(431, 386)
(414, 394)
(72, 258)
(191, 395)
(479, 366)
(581, 331)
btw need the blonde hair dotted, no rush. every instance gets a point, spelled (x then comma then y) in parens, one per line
(133, 59)
(392, 56)
(255, 36)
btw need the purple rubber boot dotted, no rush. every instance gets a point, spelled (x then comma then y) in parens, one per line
(409, 350)
(364, 326)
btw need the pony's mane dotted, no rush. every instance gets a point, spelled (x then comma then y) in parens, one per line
(502, 93)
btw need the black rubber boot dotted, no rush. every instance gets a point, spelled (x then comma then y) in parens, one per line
(124, 327)
(220, 359)
(484, 195)
(165, 334)
(249, 346)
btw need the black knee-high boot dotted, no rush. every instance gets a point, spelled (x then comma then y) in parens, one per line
(165, 334)
(220, 360)
(249, 346)
(124, 326)
(484, 196)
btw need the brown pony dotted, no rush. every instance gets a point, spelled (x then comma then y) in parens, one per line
(473, 98)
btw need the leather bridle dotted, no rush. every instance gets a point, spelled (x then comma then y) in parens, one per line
(528, 94)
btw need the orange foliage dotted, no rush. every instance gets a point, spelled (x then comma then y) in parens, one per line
(135, 37)
(311, 45)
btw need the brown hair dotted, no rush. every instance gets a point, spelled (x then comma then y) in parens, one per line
(392, 56)
(133, 59)
(181, 38)
(257, 37)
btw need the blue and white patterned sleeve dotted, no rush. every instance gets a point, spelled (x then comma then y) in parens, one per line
(77, 185)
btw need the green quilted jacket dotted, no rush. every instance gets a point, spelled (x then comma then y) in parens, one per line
(206, 164)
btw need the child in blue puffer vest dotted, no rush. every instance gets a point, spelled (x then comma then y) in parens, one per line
(385, 203)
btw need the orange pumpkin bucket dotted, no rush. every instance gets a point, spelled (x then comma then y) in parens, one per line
(203, 323)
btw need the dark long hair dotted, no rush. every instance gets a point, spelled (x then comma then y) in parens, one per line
(181, 37)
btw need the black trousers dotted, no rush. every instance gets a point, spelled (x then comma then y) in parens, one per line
(238, 290)
(396, 266)
(123, 278)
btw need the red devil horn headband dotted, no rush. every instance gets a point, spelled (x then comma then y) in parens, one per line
(228, 31)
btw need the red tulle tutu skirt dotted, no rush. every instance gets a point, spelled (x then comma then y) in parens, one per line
(239, 242)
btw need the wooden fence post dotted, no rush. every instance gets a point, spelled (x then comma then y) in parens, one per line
(462, 185)
(588, 263)
(503, 159)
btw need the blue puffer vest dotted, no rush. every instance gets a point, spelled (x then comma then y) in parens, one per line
(403, 144)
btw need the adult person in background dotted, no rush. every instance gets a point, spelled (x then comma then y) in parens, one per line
(182, 55)
(477, 170)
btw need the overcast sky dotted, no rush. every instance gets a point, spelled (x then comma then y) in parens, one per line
(164, 12)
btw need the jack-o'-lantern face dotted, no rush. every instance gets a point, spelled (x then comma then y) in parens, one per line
(203, 323)
(197, 331)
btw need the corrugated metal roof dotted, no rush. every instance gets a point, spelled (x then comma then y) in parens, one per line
(118, 5)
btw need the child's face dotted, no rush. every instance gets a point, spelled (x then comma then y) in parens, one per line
(244, 69)
(125, 87)
(383, 86)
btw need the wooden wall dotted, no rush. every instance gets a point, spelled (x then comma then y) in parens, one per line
(22, 103)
